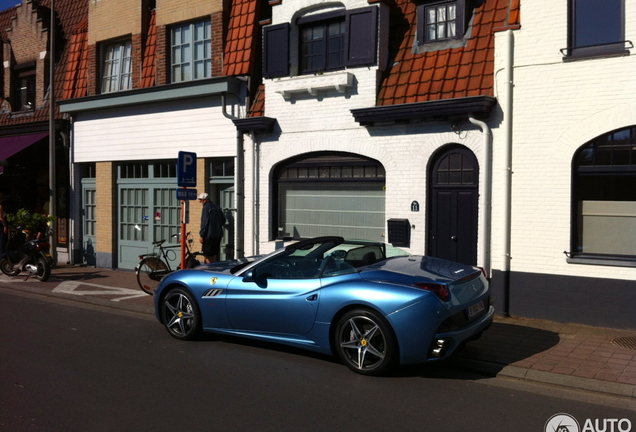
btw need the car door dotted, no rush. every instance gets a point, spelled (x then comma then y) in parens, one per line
(273, 305)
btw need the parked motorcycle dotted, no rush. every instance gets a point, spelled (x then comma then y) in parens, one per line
(30, 256)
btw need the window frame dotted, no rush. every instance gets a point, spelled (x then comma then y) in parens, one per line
(323, 21)
(24, 88)
(609, 168)
(461, 20)
(360, 41)
(575, 51)
(122, 76)
(191, 44)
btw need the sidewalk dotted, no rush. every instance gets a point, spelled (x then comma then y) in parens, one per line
(572, 355)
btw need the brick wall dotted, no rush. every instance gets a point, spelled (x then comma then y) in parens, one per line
(175, 11)
(110, 19)
(28, 40)
(106, 194)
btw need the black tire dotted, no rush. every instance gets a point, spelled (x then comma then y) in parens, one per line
(150, 272)
(180, 315)
(8, 269)
(44, 270)
(365, 342)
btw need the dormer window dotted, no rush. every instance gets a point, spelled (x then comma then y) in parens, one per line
(24, 92)
(442, 21)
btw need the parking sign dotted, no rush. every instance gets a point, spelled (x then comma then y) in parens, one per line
(187, 169)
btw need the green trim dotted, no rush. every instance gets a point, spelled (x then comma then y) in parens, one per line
(183, 90)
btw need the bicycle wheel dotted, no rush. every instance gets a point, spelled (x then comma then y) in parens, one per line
(150, 271)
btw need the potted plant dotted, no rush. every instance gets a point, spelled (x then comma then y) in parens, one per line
(29, 222)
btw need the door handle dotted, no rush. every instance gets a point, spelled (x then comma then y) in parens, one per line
(312, 297)
(454, 238)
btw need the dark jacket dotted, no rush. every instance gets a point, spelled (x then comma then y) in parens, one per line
(212, 221)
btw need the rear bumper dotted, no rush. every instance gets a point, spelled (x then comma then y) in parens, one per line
(455, 338)
(416, 345)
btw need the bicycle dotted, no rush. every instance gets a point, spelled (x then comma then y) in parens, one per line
(154, 266)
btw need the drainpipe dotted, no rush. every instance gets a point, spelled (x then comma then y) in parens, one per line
(240, 195)
(507, 173)
(255, 193)
(484, 226)
(69, 227)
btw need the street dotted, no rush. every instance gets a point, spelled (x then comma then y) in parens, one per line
(67, 366)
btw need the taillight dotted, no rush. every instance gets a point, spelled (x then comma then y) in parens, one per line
(440, 290)
(483, 271)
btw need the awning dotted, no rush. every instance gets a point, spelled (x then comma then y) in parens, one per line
(12, 145)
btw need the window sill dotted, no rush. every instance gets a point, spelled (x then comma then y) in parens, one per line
(313, 84)
(612, 262)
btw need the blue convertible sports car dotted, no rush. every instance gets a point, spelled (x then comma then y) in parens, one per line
(369, 303)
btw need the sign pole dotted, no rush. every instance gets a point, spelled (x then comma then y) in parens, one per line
(183, 234)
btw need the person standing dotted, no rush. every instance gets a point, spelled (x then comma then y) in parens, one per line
(211, 233)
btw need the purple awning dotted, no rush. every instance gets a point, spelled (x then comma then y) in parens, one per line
(12, 145)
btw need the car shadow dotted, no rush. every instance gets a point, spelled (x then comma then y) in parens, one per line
(85, 274)
(499, 346)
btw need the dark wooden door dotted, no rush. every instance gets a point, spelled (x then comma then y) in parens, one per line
(454, 201)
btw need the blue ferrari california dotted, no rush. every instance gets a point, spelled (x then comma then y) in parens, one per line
(369, 303)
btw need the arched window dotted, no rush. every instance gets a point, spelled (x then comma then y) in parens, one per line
(604, 197)
(329, 193)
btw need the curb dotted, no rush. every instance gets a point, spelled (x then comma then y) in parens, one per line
(522, 374)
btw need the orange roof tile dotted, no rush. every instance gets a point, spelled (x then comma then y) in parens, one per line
(451, 73)
(148, 67)
(239, 51)
(258, 106)
(76, 65)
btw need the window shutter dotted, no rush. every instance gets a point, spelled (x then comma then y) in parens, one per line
(362, 36)
(276, 50)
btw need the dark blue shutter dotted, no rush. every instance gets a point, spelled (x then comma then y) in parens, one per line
(361, 36)
(276, 50)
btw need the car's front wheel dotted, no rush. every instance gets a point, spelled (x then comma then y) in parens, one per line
(181, 314)
(365, 342)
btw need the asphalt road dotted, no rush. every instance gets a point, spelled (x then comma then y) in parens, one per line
(66, 366)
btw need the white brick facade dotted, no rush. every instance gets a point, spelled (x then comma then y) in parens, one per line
(558, 107)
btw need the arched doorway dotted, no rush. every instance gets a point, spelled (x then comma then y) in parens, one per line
(454, 205)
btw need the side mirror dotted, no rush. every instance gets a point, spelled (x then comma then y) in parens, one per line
(250, 276)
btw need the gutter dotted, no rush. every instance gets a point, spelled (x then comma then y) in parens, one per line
(507, 158)
(240, 186)
(485, 222)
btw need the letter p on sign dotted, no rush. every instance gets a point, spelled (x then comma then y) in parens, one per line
(187, 169)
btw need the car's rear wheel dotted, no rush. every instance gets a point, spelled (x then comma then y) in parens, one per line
(181, 315)
(365, 342)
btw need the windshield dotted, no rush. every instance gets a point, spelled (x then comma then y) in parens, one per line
(324, 258)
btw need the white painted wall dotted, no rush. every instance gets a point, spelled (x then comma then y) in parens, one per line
(158, 131)
(558, 107)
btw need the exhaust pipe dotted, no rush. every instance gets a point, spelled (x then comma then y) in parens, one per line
(439, 348)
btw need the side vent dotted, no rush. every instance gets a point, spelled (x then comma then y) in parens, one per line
(214, 292)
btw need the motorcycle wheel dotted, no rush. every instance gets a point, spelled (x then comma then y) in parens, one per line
(44, 270)
(8, 269)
